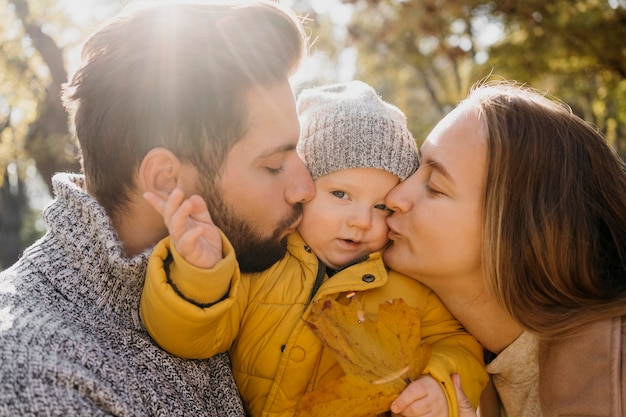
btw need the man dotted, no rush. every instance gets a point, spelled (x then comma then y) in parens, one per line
(189, 96)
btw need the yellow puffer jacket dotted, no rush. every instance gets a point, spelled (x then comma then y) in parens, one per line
(275, 356)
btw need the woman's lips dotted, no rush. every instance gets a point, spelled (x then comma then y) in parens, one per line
(393, 232)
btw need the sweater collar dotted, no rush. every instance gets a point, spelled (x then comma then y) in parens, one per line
(86, 257)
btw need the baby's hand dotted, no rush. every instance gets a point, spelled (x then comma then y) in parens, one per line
(190, 226)
(422, 397)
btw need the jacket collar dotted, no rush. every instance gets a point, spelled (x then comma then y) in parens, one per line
(362, 274)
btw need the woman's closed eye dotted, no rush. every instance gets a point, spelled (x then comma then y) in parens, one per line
(432, 191)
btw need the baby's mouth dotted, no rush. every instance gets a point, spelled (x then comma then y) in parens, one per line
(351, 242)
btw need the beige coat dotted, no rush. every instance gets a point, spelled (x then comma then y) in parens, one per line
(585, 374)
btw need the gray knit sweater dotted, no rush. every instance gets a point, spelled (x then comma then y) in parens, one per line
(71, 339)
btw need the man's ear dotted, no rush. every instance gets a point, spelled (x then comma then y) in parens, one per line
(159, 172)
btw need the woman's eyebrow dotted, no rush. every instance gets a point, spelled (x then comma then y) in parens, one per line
(436, 166)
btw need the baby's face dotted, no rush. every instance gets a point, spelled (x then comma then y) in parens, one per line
(346, 218)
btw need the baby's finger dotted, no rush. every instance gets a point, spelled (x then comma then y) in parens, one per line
(413, 392)
(172, 205)
(181, 221)
(199, 210)
(187, 243)
(155, 201)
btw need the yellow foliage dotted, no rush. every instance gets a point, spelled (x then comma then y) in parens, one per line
(379, 357)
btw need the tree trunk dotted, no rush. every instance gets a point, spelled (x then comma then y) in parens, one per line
(48, 141)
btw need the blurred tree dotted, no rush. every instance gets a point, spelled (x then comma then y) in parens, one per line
(424, 55)
(36, 38)
(36, 68)
(576, 50)
(13, 207)
(421, 55)
(326, 28)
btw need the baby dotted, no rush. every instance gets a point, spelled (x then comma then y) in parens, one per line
(357, 148)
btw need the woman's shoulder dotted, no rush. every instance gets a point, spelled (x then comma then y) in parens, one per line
(581, 369)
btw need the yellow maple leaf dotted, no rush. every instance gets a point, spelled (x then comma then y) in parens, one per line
(379, 357)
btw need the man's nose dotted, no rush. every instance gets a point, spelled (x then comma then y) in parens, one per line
(301, 188)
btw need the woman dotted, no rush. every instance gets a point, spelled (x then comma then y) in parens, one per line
(517, 220)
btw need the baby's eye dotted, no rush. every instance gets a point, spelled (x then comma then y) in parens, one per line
(383, 207)
(340, 194)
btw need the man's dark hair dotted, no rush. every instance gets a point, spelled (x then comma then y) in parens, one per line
(174, 76)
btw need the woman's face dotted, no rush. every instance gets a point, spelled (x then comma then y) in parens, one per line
(436, 227)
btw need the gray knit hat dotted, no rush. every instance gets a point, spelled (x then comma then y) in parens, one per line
(349, 126)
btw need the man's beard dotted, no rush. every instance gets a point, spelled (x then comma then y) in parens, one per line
(254, 252)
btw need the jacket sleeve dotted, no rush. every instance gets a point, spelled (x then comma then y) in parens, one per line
(188, 311)
(453, 351)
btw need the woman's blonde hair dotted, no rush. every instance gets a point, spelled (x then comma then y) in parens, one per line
(554, 211)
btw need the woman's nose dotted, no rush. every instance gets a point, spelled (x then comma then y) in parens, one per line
(398, 198)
